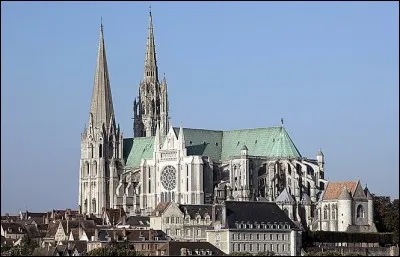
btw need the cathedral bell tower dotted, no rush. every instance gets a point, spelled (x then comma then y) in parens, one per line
(101, 144)
(151, 109)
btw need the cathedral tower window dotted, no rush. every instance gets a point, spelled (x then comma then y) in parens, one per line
(87, 171)
(94, 205)
(91, 151)
(360, 211)
(94, 172)
(149, 177)
(100, 151)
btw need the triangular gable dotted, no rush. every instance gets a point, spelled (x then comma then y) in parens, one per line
(358, 192)
(170, 141)
(285, 197)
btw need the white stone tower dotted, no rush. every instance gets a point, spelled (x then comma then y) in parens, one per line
(151, 109)
(344, 210)
(101, 144)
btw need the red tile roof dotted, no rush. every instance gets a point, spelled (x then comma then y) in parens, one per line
(333, 189)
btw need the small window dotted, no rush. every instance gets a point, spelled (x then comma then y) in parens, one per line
(198, 232)
(100, 150)
(360, 211)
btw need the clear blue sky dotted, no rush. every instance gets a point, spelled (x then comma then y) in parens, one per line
(330, 69)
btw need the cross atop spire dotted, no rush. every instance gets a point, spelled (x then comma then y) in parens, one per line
(150, 63)
(101, 23)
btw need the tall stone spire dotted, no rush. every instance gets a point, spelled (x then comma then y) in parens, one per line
(101, 108)
(101, 144)
(150, 62)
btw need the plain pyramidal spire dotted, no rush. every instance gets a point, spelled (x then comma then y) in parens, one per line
(150, 63)
(101, 107)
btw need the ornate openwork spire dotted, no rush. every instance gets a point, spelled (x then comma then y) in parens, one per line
(150, 63)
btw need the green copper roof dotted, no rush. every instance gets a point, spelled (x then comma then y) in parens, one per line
(136, 149)
(202, 142)
(268, 142)
(219, 145)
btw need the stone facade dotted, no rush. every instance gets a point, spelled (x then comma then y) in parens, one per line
(345, 206)
(189, 166)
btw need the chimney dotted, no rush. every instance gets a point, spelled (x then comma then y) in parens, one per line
(67, 227)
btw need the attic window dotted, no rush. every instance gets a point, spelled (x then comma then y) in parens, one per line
(216, 144)
(255, 142)
(204, 142)
(238, 143)
(190, 142)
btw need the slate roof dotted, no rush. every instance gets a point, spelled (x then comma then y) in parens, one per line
(52, 230)
(13, 228)
(368, 194)
(75, 233)
(285, 197)
(161, 207)
(32, 231)
(139, 234)
(79, 245)
(334, 189)
(115, 215)
(254, 212)
(219, 145)
(138, 221)
(45, 251)
(305, 198)
(175, 247)
(193, 210)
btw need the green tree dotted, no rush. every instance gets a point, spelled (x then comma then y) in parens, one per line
(25, 248)
(115, 249)
(386, 216)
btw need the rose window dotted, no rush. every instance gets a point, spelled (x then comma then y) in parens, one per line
(168, 177)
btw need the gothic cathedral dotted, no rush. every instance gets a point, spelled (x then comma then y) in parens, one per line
(162, 163)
